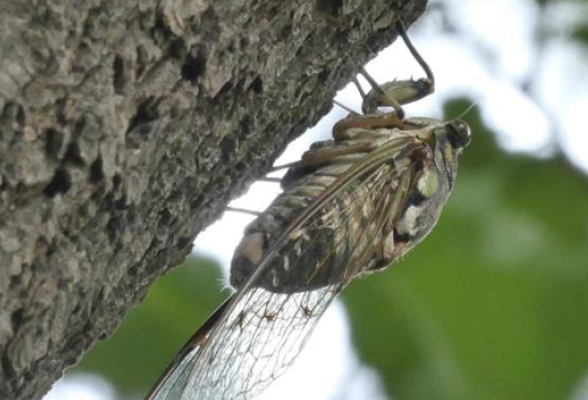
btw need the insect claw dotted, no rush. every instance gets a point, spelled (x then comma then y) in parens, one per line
(270, 179)
(349, 110)
(244, 211)
(279, 167)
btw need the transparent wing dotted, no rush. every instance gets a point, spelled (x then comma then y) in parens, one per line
(260, 338)
(175, 381)
(262, 331)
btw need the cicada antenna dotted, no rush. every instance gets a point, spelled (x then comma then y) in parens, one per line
(471, 106)
(467, 110)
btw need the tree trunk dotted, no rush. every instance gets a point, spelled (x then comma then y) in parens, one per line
(125, 127)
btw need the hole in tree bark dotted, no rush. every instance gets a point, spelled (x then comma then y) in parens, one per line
(14, 112)
(257, 85)
(60, 183)
(96, 172)
(330, 7)
(146, 112)
(245, 124)
(194, 65)
(118, 68)
(53, 142)
(73, 154)
(178, 49)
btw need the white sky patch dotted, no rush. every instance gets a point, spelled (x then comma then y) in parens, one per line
(517, 119)
(81, 387)
(581, 391)
(504, 27)
(565, 96)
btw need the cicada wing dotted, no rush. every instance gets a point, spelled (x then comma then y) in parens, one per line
(261, 331)
(259, 338)
(172, 383)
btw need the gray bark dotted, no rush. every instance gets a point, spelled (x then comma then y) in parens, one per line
(125, 127)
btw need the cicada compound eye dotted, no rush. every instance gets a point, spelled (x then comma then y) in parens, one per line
(458, 133)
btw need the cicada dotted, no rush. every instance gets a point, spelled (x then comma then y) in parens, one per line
(351, 206)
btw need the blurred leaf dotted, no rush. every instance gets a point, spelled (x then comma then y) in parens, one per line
(134, 357)
(581, 33)
(493, 304)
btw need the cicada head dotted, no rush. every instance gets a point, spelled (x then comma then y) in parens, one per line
(450, 139)
(459, 134)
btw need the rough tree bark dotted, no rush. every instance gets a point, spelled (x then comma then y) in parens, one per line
(125, 127)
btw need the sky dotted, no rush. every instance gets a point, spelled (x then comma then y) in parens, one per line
(527, 92)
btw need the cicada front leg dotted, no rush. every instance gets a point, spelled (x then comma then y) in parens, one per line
(396, 93)
(392, 94)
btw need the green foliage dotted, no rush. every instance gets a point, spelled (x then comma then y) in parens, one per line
(134, 357)
(492, 305)
(581, 33)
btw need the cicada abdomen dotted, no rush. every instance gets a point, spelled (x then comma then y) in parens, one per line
(351, 206)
